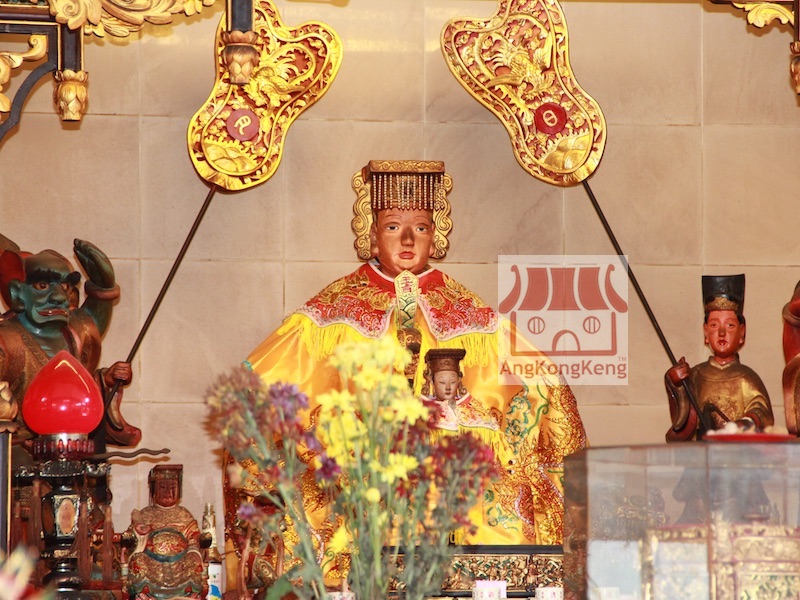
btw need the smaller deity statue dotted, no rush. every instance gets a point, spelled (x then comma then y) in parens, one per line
(458, 413)
(167, 560)
(458, 410)
(725, 389)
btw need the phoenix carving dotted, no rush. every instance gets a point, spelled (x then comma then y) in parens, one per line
(516, 64)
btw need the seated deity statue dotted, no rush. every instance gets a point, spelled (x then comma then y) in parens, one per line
(401, 222)
(725, 390)
(167, 560)
(458, 411)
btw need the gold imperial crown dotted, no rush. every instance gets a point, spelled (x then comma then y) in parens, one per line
(405, 184)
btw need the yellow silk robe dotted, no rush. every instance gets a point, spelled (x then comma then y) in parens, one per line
(539, 422)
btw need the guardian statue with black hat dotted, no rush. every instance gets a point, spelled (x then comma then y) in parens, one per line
(725, 390)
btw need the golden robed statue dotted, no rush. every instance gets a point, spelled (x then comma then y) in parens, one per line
(401, 222)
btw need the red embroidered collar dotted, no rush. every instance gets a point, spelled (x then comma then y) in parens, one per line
(365, 300)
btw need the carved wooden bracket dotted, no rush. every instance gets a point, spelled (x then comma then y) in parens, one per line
(761, 14)
(54, 30)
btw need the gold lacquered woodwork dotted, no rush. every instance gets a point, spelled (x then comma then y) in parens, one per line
(295, 68)
(517, 65)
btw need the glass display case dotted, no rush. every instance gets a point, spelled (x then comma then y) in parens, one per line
(705, 520)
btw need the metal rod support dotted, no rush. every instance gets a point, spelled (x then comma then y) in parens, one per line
(704, 419)
(165, 286)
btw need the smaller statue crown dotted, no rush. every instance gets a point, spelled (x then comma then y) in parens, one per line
(445, 359)
(166, 472)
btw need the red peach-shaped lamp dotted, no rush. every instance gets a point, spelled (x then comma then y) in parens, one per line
(63, 405)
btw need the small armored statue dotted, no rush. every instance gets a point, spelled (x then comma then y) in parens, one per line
(725, 389)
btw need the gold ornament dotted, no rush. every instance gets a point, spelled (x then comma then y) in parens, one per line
(70, 95)
(13, 60)
(120, 18)
(517, 65)
(236, 139)
(8, 409)
(761, 14)
(240, 55)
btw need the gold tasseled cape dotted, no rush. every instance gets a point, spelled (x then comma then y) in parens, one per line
(539, 421)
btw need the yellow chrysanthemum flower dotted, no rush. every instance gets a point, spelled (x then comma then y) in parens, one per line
(398, 382)
(340, 434)
(369, 376)
(372, 495)
(398, 467)
(340, 541)
(347, 358)
(409, 408)
(385, 351)
(335, 399)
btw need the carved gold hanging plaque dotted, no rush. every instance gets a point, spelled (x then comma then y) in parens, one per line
(236, 138)
(517, 65)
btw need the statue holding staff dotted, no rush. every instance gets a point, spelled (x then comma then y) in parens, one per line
(725, 390)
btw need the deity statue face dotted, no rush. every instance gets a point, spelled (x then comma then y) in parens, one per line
(402, 240)
(445, 385)
(724, 334)
(167, 493)
(43, 299)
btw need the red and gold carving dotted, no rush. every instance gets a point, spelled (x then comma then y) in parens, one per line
(236, 139)
(517, 65)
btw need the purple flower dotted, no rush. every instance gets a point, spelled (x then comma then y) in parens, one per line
(247, 511)
(287, 398)
(310, 441)
(329, 470)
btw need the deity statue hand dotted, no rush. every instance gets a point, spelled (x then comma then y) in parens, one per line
(681, 410)
(119, 371)
(96, 264)
(679, 372)
(101, 288)
(8, 407)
